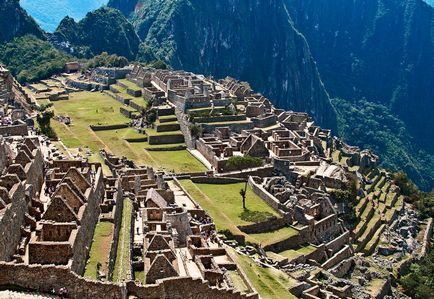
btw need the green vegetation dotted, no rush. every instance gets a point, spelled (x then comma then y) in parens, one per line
(423, 201)
(104, 59)
(100, 249)
(123, 260)
(418, 281)
(268, 282)
(43, 118)
(243, 162)
(275, 235)
(373, 126)
(31, 59)
(102, 30)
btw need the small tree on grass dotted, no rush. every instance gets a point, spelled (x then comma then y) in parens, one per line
(243, 193)
(196, 131)
(242, 162)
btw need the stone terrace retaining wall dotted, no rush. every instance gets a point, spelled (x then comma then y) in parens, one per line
(117, 226)
(215, 180)
(108, 127)
(166, 139)
(262, 227)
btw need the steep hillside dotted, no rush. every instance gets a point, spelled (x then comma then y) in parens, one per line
(379, 50)
(250, 40)
(103, 30)
(125, 6)
(15, 22)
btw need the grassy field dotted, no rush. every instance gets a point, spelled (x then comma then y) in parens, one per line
(86, 108)
(123, 264)
(293, 253)
(100, 249)
(223, 203)
(268, 282)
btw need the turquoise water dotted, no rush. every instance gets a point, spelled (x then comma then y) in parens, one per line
(49, 13)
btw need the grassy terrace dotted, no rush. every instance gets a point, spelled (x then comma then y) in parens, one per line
(268, 282)
(224, 205)
(130, 84)
(87, 108)
(293, 253)
(123, 264)
(100, 249)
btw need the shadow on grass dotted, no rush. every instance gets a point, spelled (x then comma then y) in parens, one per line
(255, 216)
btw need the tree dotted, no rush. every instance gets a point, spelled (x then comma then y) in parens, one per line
(196, 131)
(44, 120)
(243, 193)
(242, 162)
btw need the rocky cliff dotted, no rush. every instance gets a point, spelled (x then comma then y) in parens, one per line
(15, 22)
(249, 40)
(379, 50)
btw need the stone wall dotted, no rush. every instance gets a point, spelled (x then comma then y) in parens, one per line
(215, 180)
(108, 127)
(117, 226)
(266, 196)
(167, 127)
(13, 218)
(235, 126)
(87, 225)
(222, 118)
(262, 227)
(289, 243)
(166, 139)
(48, 277)
(14, 130)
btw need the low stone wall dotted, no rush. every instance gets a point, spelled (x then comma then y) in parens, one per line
(289, 243)
(140, 139)
(262, 227)
(215, 180)
(167, 127)
(338, 257)
(166, 139)
(118, 98)
(264, 171)
(167, 148)
(108, 127)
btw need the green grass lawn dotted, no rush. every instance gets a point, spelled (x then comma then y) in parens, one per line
(100, 249)
(122, 264)
(224, 205)
(274, 236)
(268, 282)
(87, 108)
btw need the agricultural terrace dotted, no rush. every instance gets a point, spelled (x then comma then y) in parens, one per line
(100, 249)
(87, 108)
(223, 203)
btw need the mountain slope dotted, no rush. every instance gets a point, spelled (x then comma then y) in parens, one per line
(103, 30)
(382, 50)
(250, 40)
(14, 22)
